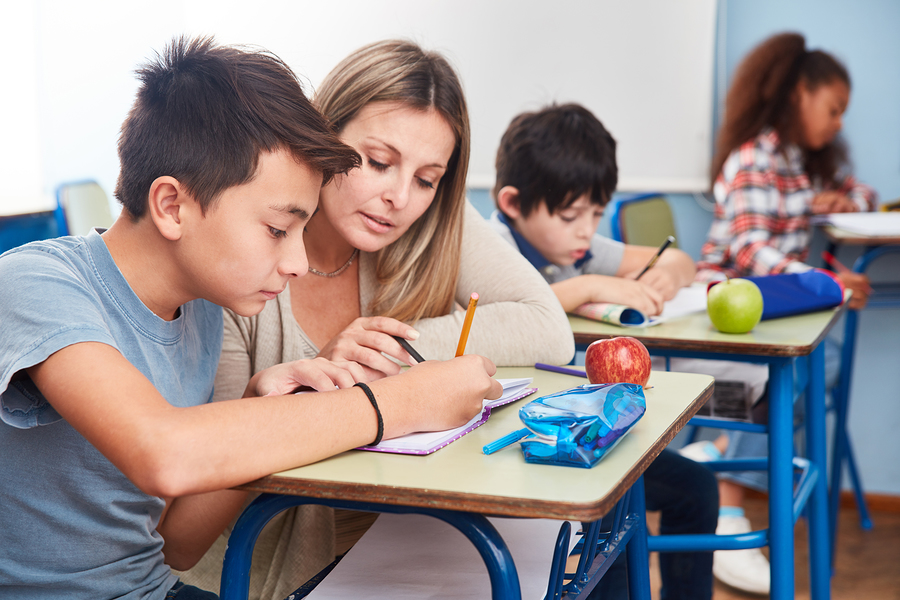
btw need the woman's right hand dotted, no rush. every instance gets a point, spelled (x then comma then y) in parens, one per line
(363, 342)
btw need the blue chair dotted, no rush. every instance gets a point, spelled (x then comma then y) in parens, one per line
(80, 206)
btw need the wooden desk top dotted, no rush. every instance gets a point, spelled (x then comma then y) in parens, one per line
(461, 477)
(789, 336)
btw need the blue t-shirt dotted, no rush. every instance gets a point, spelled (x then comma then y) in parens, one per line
(71, 524)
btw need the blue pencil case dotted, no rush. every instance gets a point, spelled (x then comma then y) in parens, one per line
(789, 294)
(578, 427)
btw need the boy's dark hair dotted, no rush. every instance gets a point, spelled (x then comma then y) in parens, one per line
(203, 115)
(555, 156)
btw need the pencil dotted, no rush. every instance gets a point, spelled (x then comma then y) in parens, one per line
(839, 266)
(656, 256)
(409, 349)
(467, 324)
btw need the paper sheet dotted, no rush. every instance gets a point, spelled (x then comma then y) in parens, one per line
(873, 224)
(415, 556)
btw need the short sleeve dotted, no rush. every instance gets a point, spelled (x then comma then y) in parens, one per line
(607, 256)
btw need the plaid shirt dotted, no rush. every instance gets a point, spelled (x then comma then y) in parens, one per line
(763, 205)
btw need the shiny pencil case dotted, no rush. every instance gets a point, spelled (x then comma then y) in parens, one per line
(578, 427)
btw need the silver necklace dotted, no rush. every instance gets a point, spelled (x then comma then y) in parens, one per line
(339, 271)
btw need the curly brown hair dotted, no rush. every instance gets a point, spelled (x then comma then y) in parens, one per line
(761, 96)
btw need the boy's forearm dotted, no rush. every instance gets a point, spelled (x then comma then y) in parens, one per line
(575, 291)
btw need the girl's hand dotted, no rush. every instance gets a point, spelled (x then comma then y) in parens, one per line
(859, 283)
(363, 342)
(630, 292)
(320, 374)
(833, 202)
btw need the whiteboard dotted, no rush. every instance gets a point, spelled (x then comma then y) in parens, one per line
(644, 67)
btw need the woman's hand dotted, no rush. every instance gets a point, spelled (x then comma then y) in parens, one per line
(833, 202)
(319, 374)
(364, 341)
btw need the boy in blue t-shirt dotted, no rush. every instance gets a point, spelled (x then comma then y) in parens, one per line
(556, 171)
(114, 466)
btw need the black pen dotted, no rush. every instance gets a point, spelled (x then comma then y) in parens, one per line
(655, 258)
(408, 348)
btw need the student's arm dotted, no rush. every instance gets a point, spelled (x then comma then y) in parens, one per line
(674, 270)
(518, 321)
(575, 291)
(171, 452)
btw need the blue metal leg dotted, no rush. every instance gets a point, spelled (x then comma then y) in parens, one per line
(236, 567)
(636, 551)
(817, 507)
(781, 523)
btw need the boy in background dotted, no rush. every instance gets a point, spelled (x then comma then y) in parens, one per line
(114, 466)
(556, 171)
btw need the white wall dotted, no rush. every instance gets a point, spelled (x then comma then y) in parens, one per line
(644, 67)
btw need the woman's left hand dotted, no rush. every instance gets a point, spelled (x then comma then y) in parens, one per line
(364, 341)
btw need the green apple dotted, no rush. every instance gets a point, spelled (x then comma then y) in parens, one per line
(734, 306)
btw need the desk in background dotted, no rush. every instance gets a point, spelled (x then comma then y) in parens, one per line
(776, 343)
(460, 484)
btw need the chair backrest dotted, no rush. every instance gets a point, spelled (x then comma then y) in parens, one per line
(80, 206)
(642, 220)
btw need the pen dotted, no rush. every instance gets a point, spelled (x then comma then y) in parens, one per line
(467, 324)
(406, 346)
(563, 370)
(655, 258)
(839, 266)
(506, 440)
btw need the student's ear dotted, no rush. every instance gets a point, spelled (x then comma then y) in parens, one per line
(168, 205)
(508, 202)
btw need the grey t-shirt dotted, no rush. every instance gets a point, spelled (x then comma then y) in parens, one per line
(73, 526)
(604, 257)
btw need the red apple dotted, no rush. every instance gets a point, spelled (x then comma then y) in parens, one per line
(617, 360)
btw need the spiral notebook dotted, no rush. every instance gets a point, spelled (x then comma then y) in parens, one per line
(429, 441)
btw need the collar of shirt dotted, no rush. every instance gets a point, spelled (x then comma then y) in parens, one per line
(537, 260)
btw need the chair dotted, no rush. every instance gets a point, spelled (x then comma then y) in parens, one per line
(80, 206)
(642, 220)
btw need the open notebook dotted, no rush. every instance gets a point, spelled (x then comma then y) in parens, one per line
(429, 441)
(688, 300)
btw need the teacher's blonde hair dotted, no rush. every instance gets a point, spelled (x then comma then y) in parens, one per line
(417, 273)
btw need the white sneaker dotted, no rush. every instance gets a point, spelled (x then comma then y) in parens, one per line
(746, 570)
(701, 451)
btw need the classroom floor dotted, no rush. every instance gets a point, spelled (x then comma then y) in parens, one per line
(867, 566)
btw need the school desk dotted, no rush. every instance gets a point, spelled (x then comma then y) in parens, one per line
(459, 484)
(777, 343)
(884, 296)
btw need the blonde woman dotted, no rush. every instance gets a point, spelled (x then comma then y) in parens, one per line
(394, 250)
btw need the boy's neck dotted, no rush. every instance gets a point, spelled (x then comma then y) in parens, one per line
(145, 259)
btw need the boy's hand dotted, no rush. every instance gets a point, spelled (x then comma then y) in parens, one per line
(363, 342)
(661, 280)
(318, 373)
(859, 283)
(833, 202)
(628, 291)
(446, 394)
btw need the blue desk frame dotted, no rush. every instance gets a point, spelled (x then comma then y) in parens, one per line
(784, 505)
(629, 527)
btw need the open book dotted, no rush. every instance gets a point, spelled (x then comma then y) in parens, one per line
(688, 300)
(428, 441)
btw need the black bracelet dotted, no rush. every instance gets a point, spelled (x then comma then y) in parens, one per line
(371, 397)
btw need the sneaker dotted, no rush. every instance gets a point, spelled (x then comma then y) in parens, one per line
(701, 451)
(746, 570)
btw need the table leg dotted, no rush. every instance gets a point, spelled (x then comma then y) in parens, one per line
(781, 523)
(485, 537)
(817, 508)
(636, 551)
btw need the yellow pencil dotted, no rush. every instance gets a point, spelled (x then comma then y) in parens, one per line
(467, 324)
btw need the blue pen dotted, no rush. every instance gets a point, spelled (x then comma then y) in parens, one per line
(506, 440)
